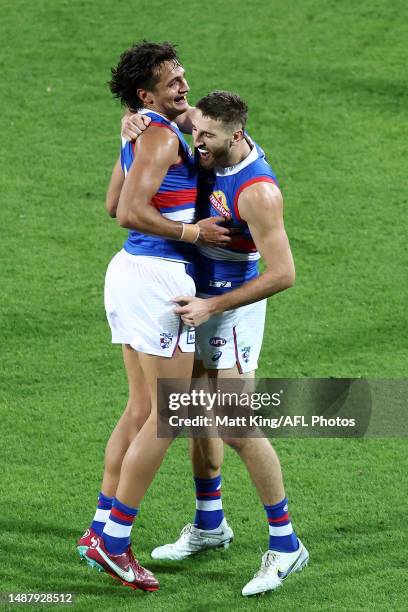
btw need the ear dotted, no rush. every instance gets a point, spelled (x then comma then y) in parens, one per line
(237, 136)
(145, 96)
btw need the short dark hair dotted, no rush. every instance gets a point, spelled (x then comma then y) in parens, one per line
(139, 67)
(224, 106)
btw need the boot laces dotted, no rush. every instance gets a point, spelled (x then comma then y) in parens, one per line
(269, 558)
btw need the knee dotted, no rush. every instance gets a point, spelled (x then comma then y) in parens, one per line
(136, 414)
(209, 453)
(238, 444)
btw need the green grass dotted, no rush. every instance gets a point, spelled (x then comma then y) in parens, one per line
(326, 86)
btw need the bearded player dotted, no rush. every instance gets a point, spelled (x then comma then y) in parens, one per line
(229, 318)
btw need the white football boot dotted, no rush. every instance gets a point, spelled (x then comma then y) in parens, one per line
(275, 568)
(193, 540)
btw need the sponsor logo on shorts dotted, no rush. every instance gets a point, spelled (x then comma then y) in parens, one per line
(165, 340)
(191, 336)
(219, 284)
(217, 341)
(245, 353)
(216, 356)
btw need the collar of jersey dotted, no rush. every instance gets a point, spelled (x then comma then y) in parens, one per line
(144, 111)
(242, 164)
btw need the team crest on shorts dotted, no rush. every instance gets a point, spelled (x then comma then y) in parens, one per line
(216, 356)
(219, 202)
(165, 340)
(245, 353)
(191, 336)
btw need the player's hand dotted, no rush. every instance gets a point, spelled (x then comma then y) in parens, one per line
(133, 125)
(212, 234)
(192, 310)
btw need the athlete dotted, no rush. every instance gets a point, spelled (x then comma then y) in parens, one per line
(157, 198)
(229, 316)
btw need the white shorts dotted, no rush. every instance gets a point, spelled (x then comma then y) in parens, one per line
(138, 301)
(232, 337)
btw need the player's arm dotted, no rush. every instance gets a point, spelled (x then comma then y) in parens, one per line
(134, 124)
(157, 150)
(114, 189)
(185, 121)
(261, 206)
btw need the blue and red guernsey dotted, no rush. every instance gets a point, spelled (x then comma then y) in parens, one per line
(219, 270)
(175, 199)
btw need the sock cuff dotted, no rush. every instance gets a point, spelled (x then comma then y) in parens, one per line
(208, 482)
(278, 506)
(104, 502)
(123, 507)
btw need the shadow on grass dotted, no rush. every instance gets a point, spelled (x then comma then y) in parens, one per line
(37, 528)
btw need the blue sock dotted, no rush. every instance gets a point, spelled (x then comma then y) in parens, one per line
(102, 513)
(116, 533)
(209, 513)
(281, 535)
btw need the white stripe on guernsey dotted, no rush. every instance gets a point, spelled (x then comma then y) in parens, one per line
(186, 216)
(213, 504)
(280, 531)
(143, 111)
(101, 515)
(224, 254)
(116, 530)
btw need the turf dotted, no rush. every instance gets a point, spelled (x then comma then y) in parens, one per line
(326, 86)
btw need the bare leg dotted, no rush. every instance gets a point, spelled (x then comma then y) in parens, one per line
(207, 454)
(132, 420)
(259, 457)
(146, 451)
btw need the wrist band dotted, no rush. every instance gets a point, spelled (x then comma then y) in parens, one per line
(190, 233)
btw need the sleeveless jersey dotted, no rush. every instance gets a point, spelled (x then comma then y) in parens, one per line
(175, 199)
(218, 270)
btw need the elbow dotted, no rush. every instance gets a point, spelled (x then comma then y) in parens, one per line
(286, 279)
(122, 218)
(129, 220)
(111, 208)
(289, 278)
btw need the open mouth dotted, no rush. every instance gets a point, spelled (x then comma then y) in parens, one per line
(204, 154)
(180, 99)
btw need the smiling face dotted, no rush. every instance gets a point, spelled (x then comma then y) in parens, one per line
(215, 140)
(169, 94)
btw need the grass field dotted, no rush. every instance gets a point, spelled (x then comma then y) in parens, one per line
(326, 85)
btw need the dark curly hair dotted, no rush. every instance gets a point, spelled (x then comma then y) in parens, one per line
(224, 106)
(139, 67)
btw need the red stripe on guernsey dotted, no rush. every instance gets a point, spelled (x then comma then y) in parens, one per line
(168, 199)
(158, 124)
(213, 494)
(247, 246)
(128, 518)
(257, 179)
(281, 519)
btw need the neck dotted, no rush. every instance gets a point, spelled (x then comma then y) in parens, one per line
(238, 153)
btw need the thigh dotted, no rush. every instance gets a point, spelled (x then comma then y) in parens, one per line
(180, 366)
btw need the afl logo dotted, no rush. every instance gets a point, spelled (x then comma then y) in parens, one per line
(219, 202)
(217, 341)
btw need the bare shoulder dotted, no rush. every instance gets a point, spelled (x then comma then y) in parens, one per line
(159, 140)
(259, 199)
